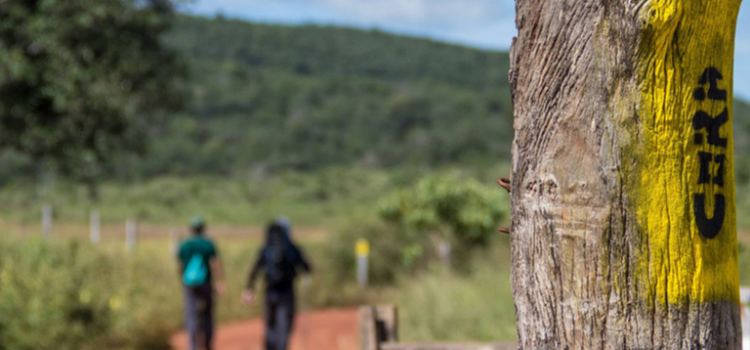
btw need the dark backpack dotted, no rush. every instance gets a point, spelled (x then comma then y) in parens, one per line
(280, 266)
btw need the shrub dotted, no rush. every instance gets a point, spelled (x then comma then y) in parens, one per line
(411, 223)
(72, 296)
(446, 208)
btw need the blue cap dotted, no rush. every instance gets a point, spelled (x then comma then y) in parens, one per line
(197, 222)
(284, 222)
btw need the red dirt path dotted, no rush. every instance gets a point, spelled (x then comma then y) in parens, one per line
(315, 330)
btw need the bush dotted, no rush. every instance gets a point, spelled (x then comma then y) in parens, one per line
(70, 296)
(413, 221)
(446, 208)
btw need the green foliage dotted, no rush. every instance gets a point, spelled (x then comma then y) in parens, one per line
(461, 211)
(313, 50)
(411, 220)
(69, 296)
(262, 98)
(268, 98)
(80, 80)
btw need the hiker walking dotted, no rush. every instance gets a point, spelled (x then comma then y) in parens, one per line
(280, 259)
(201, 271)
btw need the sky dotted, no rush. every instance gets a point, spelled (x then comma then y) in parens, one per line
(486, 24)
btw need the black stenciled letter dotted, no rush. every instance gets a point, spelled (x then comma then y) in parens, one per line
(701, 120)
(705, 175)
(719, 179)
(705, 169)
(708, 228)
(710, 76)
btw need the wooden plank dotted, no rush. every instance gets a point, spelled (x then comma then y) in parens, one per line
(368, 334)
(449, 346)
(387, 323)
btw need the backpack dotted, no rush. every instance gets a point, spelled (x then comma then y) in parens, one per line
(280, 269)
(196, 272)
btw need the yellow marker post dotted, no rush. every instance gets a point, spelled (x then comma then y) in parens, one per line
(362, 249)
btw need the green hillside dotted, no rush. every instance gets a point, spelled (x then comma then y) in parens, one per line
(273, 97)
(268, 98)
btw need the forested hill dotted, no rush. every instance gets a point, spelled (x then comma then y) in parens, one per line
(304, 97)
(332, 51)
(266, 98)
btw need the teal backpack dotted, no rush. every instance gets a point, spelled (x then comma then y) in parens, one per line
(195, 272)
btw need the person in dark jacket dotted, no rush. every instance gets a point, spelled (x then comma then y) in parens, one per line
(280, 259)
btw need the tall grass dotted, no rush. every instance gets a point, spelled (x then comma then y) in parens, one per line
(444, 305)
(70, 296)
(67, 294)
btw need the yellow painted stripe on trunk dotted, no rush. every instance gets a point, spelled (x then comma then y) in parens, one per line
(686, 93)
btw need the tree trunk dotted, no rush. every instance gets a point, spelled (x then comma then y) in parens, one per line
(624, 223)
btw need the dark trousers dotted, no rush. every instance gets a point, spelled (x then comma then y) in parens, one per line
(279, 315)
(199, 318)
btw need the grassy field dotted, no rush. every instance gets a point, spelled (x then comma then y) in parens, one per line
(312, 200)
(64, 293)
(325, 198)
(135, 302)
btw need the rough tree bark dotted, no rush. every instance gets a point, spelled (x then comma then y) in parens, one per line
(623, 226)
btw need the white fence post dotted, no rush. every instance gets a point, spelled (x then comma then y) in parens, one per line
(444, 251)
(47, 220)
(173, 243)
(130, 233)
(94, 232)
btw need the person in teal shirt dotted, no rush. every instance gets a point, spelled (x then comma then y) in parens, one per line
(199, 252)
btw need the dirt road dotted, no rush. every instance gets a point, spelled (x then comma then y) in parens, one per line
(318, 330)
